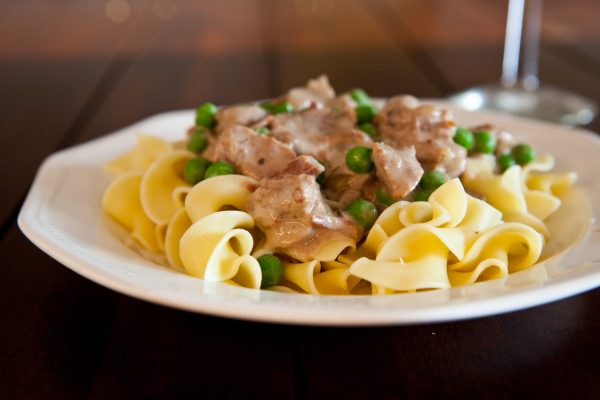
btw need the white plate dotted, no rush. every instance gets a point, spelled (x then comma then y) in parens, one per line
(62, 217)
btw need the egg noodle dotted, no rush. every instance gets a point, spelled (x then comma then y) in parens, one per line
(450, 240)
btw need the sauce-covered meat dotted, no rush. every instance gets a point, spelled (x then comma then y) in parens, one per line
(243, 114)
(345, 188)
(293, 214)
(398, 169)
(250, 153)
(430, 129)
(316, 92)
(304, 131)
(297, 214)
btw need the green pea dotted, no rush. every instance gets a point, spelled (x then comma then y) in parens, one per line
(278, 108)
(360, 97)
(383, 197)
(369, 129)
(194, 170)
(484, 142)
(263, 130)
(219, 168)
(363, 211)
(365, 113)
(358, 159)
(432, 180)
(464, 137)
(198, 142)
(421, 195)
(206, 115)
(505, 161)
(523, 154)
(272, 270)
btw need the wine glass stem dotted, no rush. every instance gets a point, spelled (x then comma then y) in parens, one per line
(531, 52)
(512, 42)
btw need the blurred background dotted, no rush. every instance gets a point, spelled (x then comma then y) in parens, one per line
(71, 70)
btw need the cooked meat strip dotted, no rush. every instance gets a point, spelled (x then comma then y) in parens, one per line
(398, 169)
(295, 217)
(343, 103)
(505, 140)
(304, 131)
(403, 122)
(302, 165)
(252, 154)
(243, 114)
(343, 189)
(316, 92)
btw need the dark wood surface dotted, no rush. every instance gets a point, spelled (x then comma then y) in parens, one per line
(68, 74)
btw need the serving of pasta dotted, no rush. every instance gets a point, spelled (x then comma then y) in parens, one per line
(330, 194)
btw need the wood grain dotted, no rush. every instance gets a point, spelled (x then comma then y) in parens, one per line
(47, 99)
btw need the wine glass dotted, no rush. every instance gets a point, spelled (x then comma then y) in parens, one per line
(526, 96)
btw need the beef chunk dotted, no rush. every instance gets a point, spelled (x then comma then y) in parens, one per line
(252, 154)
(243, 114)
(404, 122)
(304, 131)
(316, 92)
(290, 209)
(398, 169)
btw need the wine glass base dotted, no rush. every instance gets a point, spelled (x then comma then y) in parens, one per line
(546, 102)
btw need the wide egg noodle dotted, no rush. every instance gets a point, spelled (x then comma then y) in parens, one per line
(301, 275)
(248, 273)
(160, 180)
(504, 249)
(527, 195)
(556, 184)
(160, 230)
(414, 258)
(331, 250)
(386, 225)
(329, 265)
(179, 195)
(389, 220)
(213, 194)
(147, 150)
(542, 188)
(215, 248)
(178, 225)
(379, 290)
(486, 270)
(504, 192)
(446, 207)
(121, 201)
(416, 240)
(428, 272)
(470, 236)
(336, 281)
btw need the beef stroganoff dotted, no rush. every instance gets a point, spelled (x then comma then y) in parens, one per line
(320, 193)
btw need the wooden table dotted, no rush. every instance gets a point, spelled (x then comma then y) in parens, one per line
(74, 70)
